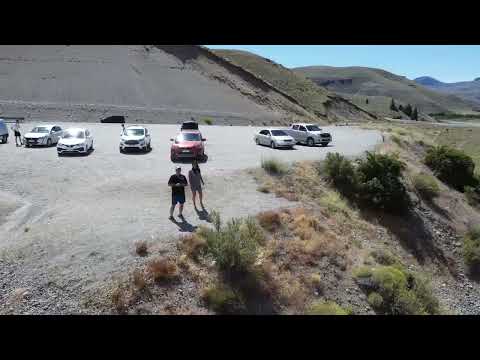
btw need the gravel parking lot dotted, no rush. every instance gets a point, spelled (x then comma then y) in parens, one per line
(74, 220)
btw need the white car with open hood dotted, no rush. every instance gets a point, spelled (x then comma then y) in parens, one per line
(135, 137)
(75, 140)
(43, 135)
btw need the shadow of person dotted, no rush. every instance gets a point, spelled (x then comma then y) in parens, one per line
(203, 215)
(184, 225)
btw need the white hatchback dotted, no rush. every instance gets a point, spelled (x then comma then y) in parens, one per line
(75, 140)
(135, 137)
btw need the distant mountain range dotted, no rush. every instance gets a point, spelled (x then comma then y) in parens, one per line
(467, 90)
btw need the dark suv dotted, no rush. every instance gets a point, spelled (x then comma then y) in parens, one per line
(189, 125)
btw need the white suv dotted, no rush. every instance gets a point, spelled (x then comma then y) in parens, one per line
(135, 137)
(309, 134)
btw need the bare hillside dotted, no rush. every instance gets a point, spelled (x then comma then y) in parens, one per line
(148, 83)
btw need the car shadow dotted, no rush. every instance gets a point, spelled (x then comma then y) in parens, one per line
(136, 152)
(77, 155)
(279, 148)
(202, 160)
(184, 225)
(315, 146)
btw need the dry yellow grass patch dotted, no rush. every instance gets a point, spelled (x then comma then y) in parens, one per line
(192, 245)
(270, 220)
(161, 269)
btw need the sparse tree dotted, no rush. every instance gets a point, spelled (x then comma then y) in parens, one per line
(393, 107)
(400, 107)
(415, 114)
(408, 110)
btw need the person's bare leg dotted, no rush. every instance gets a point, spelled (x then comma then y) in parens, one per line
(180, 210)
(200, 195)
(194, 197)
(172, 209)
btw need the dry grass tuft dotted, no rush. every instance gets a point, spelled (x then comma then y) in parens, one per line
(161, 269)
(141, 248)
(139, 279)
(119, 299)
(270, 220)
(192, 245)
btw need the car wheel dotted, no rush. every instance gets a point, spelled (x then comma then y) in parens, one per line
(121, 150)
(324, 144)
(310, 142)
(173, 158)
(272, 145)
(49, 142)
(256, 142)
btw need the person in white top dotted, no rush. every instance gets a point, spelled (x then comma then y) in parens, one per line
(16, 130)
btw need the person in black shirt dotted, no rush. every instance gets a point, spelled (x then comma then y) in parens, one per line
(177, 182)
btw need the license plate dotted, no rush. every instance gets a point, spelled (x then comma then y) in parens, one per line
(186, 151)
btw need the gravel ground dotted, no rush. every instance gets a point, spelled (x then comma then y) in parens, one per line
(69, 223)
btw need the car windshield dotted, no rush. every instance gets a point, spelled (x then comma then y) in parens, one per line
(74, 134)
(278, 133)
(313, 128)
(189, 137)
(40, 129)
(134, 132)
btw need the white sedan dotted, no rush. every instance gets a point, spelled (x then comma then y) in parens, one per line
(274, 138)
(44, 135)
(135, 137)
(75, 140)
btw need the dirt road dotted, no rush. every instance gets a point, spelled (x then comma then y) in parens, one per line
(73, 221)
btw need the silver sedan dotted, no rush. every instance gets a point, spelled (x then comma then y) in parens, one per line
(274, 138)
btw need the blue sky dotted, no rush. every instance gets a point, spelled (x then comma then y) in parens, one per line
(445, 63)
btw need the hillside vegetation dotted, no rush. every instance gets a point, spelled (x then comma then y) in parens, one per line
(376, 82)
(317, 99)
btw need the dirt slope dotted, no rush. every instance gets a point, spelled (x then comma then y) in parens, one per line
(377, 82)
(151, 83)
(314, 98)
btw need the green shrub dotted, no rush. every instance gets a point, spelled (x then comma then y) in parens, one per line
(223, 300)
(326, 308)
(208, 121)
(397, 140)
(473, 195)
(375, 300)
(452, 166)
(274, 166)
(426, 186)
(234, 247)
(471, 249)
(384, 257)
(393, 290)
(380, 182)
(341, 172)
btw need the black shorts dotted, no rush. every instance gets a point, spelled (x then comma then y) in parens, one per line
(17, 134)
(180, 199)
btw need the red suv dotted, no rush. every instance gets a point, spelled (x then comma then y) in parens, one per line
(188, 145)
